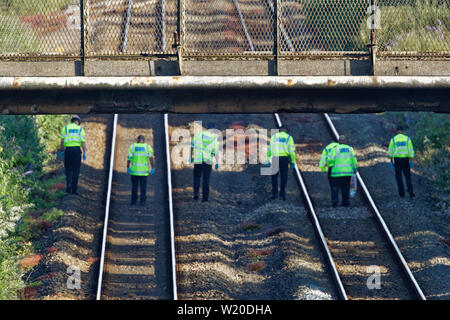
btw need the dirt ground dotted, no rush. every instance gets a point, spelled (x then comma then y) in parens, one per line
(73, 242)
(222, 243)
(417, 227)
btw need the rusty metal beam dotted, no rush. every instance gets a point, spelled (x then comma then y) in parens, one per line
(224, 82)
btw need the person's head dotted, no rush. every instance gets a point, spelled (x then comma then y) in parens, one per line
(141, 139)
(400, 129)
(342, 139)
(284, 128)
(76, 119)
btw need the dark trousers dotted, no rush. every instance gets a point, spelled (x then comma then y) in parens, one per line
(72, 162)
(199, 170)
(283, 173)
(142, 182)
(401, 165)
(342, 184)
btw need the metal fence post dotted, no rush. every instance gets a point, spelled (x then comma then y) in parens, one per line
(373, 36)
(277, 37)
(82, 43)
(179, 39)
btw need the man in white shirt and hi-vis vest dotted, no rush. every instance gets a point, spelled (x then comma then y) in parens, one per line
(139, 162)
(401, 152)
(204, 148)
(72, 138)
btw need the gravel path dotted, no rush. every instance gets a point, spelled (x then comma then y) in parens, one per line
(221, 244)
(137, 260)
(352, 234)
(73, 242)
(421, 231)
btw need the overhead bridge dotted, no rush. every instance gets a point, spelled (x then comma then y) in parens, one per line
(223, 94)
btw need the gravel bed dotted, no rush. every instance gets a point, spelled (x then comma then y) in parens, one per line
(221, 244)
(72, 243)
(352, 234)
(421, 231)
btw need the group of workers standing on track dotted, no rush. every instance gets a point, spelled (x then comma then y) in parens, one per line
(338, 157)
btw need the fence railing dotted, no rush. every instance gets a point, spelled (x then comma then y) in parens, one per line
(70, 29)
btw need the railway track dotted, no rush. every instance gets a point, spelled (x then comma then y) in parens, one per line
(360, 245)
(137, 243)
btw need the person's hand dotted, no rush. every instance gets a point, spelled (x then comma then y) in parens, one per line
(128, 170)
(293, 166)
(152, 172)
(266, 164)
(392, 165)
(411, 164)
(191, 160)
(217, 166)
(84, 156)
(61, 153)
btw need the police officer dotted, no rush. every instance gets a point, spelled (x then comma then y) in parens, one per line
(204, 147)
(401, 152)
(343, 165)
(323, 163)
(282, 151)
(72, 138)
(140, 160)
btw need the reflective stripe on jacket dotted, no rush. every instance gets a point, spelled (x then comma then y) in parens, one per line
(401, 146)
(343, 161)
(205, 147)
(138, 154)
(324, 157)
(281, 145)
(73, 135)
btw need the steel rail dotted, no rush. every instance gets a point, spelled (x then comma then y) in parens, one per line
(381, 222)
(169, 190)
(108, 201)
(318, 228)
(244, 26)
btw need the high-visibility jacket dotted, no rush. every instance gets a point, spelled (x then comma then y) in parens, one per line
(401, 146)
(73, 135)
(281, 145)
(324, 157)
(138, 154)
(205, 147)
(342, 161)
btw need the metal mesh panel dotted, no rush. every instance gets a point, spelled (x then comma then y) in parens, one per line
(39, 28)
(414, 27)
(132, 27)
(228, 27)
(323, 25)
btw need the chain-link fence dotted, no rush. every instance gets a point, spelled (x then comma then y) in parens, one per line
(39, 28)
(234, 28)
(130, 27)
(414, 27)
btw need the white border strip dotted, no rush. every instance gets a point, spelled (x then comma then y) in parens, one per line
(318, 228)
(383, 224)
(108, 200)
(169, 186)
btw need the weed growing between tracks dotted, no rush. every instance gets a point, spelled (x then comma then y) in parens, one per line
(29, 190)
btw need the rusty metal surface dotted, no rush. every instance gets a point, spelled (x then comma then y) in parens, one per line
(224, 83)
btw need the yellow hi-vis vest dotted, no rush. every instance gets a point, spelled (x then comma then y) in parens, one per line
(73, 135)
(401, 146)
(205, 147)
(324, 157)
(138, 154)
(343, 161)
(281, 145)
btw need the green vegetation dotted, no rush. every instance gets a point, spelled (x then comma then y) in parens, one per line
(417, 25)
(27, 195)
(430, 133)
(29, 7)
